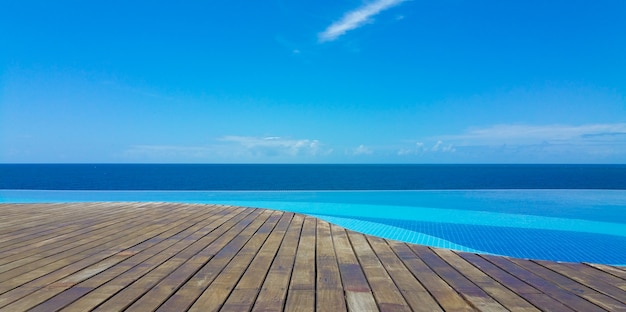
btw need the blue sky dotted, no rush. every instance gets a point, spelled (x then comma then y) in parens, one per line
(350, 81)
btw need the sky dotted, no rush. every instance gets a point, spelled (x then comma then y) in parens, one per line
(341, 81)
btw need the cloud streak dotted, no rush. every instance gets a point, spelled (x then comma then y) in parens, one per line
(356, 18)
(233, 149)
(362, 150)
(420, 148)
(515, 143)
(531, 134)
(275, 146)
(543, 143)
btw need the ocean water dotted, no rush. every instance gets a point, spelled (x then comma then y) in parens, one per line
(561, 213)
(309, 177)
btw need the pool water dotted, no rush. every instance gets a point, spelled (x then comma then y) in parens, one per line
(558, 225)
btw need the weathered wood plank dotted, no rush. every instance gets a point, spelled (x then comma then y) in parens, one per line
(416, 295)
(221, 273)
(121, 281)
(329, 293)
(41, 277)
(199, 253)
(42, 226)
(153, 299)
(359, 296)
(446, 296)
(545, 286)
(193, 230)
(273, 294)
(603, 283)
(388, 296)
(223, 270)
(490, 278)
(177, 257)
(157, 251)
(50, 247)
(619, 272)
(571, 285)
(470, 292)
(255, 274)
(301, 294)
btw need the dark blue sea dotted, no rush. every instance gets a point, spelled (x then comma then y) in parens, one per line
(207, 177)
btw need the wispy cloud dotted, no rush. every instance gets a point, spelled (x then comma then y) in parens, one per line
(276, 146)
(356, 18)
(541, 143)
(362, 150)
(232, 149)
(524, 143)
(420, 148)
(530, 134)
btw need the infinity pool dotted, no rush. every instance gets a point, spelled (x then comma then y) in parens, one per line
(558, 225)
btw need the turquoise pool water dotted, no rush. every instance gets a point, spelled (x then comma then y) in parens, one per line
(558, 225)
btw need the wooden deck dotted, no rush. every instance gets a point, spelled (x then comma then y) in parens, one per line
(176, 257)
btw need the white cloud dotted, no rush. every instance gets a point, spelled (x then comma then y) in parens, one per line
(231, 149)
(535, 143)
(356, 18)
(276, 146)
(533, 134)
(419, 148)
(588, 143)
(441, 147)
(362, 150)
(406, 151)
(435, 148)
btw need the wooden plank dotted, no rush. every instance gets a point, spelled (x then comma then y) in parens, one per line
(301, 294)
(144, 256)
(470, 292)
(491, 278)
(50, 247)
(416, 295)
(199, 226)
(329, 293)
(572, 286)
(300, 300)
(139, 269)
(222, 270)
(615, 271)
(30, 230)
(590, 277)
(158, 294)
(273, 294)
(32, 217)
(42, 249)
(545, 286)
(41, 221)
(255, 274)
(41, 277)
(445, 295)
(611, 277)
(359, 296)
(388, 296)
(196, 253)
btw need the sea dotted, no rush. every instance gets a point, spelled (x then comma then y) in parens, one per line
(266, 177)
(573, 213)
